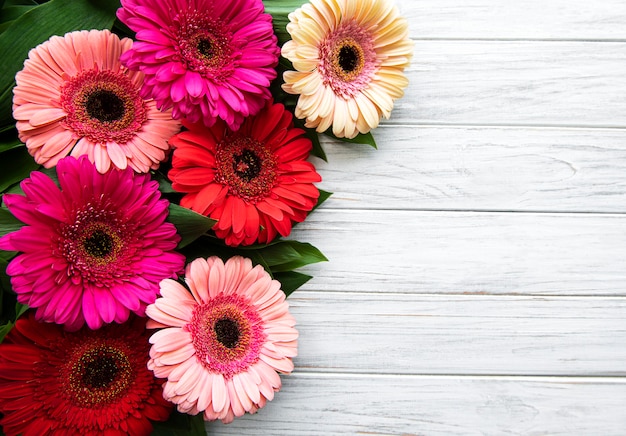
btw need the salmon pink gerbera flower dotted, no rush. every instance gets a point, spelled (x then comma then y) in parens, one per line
(221, 344)
(255, 182)
(349, 59)
(206, 59)
(53, 382)
(75, 97)
(94, 249)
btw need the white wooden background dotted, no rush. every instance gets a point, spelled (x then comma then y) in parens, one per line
(477, 273)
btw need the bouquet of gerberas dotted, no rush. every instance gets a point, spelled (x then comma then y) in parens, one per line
(153, 155)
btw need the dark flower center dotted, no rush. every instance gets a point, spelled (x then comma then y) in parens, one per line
(205, 47)
(348, 58)
(99, 244)
(105, 106)
(99, 374)
(247, 165)
(227, 332)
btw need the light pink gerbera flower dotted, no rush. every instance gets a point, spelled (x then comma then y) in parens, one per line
(75, 97)
(222, 344)
(206, 59)
(94, 249)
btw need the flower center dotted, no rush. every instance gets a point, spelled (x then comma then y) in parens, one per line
(98, 375)
(204, 44)
(99, 244)
(205, 48)
(227, 334)
(247, 167)
(103, 106)
(96, 245)
(348, 59)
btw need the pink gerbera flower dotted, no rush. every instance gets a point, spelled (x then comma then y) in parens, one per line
(255, 182)
(88, 382)
(206, 59)
(94, 249)
(221, 344)
(75, 97)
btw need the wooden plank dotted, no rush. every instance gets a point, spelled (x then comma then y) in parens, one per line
(467, 252)
(478, 168)
(426, 334)
(385, 405)
(515, 83)
(530, 19)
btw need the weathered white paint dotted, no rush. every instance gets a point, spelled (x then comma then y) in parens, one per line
(346, 404)
(458, 334)
(477, 273)
(467, 252)
(479, 168)
(515, 83)
(528, 19)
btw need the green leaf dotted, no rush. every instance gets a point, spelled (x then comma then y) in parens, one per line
(279, 10)
(285, 255)
(324, 195)
(165, 186)
(15, 165)
(180, 424)
(12, 12)
(307, 254)
(317, 149)
(20, 309)
(8, 224)
(189, 224)
(55, 17)
(279, 253)
(5, 329)
(361, 138)
(9, 141)
(291, 280)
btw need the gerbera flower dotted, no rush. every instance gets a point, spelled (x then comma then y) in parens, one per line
(53, 382)
(255, 181)
(221, 344)
(75, 97)
(349, 59)
(206, 59)
(93, 250)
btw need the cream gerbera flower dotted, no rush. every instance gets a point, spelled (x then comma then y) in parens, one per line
(350, 58)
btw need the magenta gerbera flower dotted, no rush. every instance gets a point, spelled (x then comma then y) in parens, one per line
(224, 340)
(75, 97)
(94, 249)
(205, 59)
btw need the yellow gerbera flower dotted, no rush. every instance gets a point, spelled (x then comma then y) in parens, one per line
(349, 58)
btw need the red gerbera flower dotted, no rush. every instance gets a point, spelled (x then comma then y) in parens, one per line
(89, 382)
(255, 182)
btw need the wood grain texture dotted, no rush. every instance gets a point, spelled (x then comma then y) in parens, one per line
(400, 405)
(530, 19)
(467, 252)
(434, 334)
(479, 168)
(476, 280)
(515, 83)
